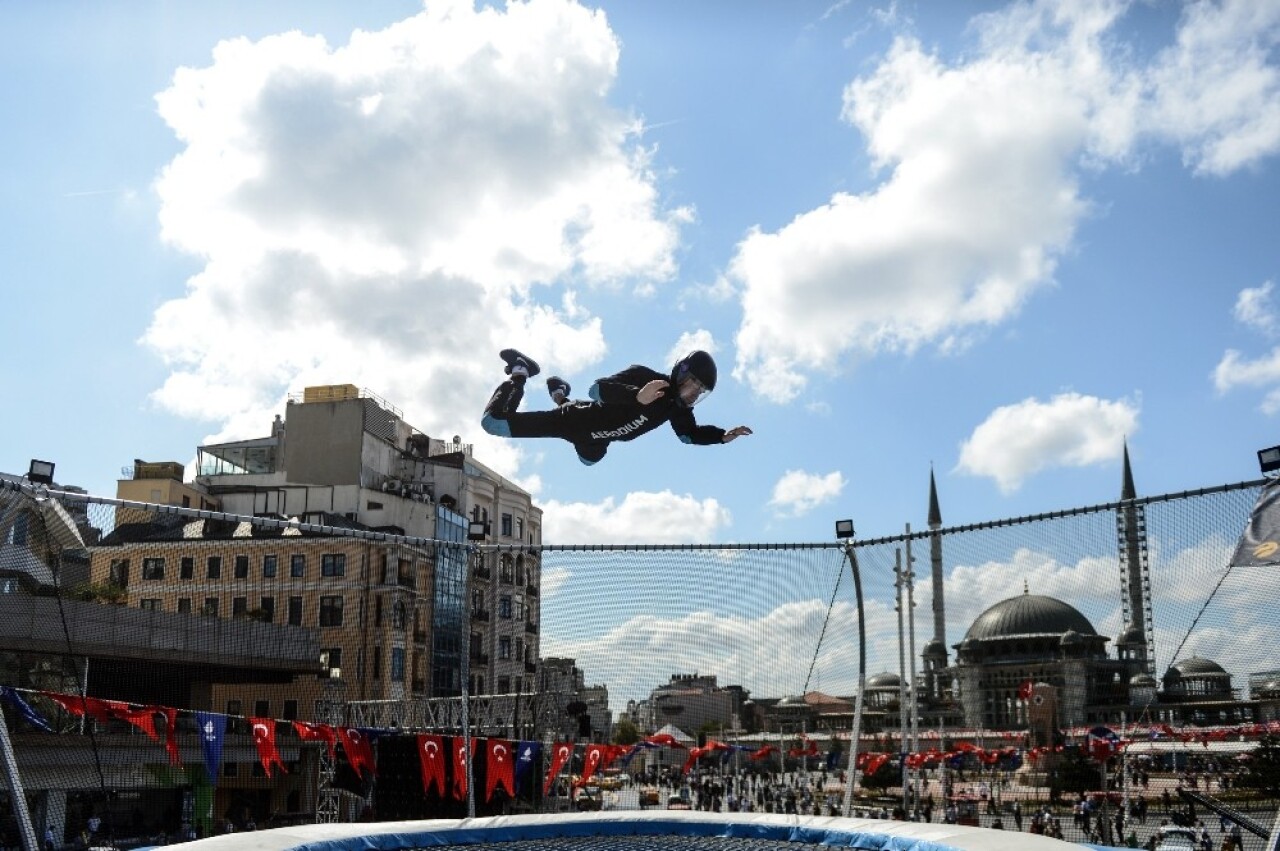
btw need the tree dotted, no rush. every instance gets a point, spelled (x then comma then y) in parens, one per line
(1263, 767)
(625, 732)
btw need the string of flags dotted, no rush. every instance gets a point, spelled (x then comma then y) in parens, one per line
(508, 764)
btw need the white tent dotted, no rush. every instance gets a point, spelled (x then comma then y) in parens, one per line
(676, 733)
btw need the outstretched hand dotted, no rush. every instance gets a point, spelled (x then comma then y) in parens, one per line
(733, 433)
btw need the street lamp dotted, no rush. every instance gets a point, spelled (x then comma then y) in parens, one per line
(844, 531)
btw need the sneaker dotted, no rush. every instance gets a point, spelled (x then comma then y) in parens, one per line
(559, 389)
(519, 364)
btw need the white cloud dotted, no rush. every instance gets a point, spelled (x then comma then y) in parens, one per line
(367, 212)
(688, 342)
(980, 195)
(798, 492)
(654, 518)
(1255, 308)
(1070, 430)
(1216, 91)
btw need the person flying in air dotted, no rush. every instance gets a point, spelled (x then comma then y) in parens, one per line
(623, 406)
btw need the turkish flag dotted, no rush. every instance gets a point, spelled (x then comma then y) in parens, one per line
(560, 753)
(309, 732)
(499, 767)
(359, 751)
(144, 719)
(460, 767)
(99, 710)
(594, 759)
(431, 758)
(264, 736)
(694, 755)
(763, 752)
(1025, 690)
(666, 740)
(170, 732)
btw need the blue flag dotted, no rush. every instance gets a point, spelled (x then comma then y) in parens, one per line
(527, 755)
(24, 709)
(212, 726)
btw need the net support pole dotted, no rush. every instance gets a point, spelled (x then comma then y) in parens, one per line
(856, 733)
(17, 795)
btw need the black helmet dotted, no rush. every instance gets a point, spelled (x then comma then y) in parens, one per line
(694, 377)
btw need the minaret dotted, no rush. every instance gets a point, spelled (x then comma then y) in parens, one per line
(1137, 643)
(934, 654)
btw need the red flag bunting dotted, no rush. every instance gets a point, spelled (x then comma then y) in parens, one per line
(358, 750)
(499, 768)
(431, 757)
(309, 732)
(460, 767)
(264, 737)
(560, 753)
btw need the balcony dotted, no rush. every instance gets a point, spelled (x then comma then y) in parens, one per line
(531, 590)
(531, 628)
(482, 573)
(531, 667)
(479, 658)
(419, 636)
(419, 685)
(480, 615)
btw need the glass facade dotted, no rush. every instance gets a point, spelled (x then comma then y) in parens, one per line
(450, 604)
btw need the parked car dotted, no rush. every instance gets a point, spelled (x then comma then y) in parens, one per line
(589, 799)
(675, 802)
(1171, 838)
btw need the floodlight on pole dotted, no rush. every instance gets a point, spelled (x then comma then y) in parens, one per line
(40, 472)
(1268, 459)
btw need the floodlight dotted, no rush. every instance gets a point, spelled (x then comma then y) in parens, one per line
(844, 528)
(40, 472)
(1268, 459)
(477, 530)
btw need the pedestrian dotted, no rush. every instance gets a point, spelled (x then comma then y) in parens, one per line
(623, 406)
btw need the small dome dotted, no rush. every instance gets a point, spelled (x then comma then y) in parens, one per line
(1132, 636)
(885, 680)
(934, 648)
(1195, 666)
(1027, 615)
(1071, 638)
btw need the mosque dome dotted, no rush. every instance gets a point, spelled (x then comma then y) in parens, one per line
(885, 680)
(1132, 635)
(1071, 638)
(1194, 666)
(934, 648)
(1028, 615)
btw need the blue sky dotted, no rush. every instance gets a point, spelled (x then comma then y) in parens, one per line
(995, 240)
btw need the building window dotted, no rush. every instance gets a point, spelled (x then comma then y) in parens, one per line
(504, 647)
(151, 605)
(239, 607)
(210, 607)
(290, 711)
(519, 608)
(269, 565)
(504, 606)
(297, 565)
(520, 527)
(268, 609)
(119, 574)
(331, 659)
(377, 662)
(331, 610)
(397, 664)
(506, 525)
(262, 708)
(504, 569)
(153, 568)
(242, 567)
(520, 570)
(477, 600)
(214, 567)
(184, 605)
(187, 568)
(399, 615)
(333, 564)
(229, 769)
(504, 685)
(295, 611)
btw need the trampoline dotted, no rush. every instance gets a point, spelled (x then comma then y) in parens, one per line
(633, 831)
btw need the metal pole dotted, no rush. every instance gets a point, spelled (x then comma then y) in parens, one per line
(899, 581)
(17, 795)
(862, 681)
(911, 662)
(465, 638)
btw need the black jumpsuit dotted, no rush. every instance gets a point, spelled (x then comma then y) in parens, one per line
(614, 414)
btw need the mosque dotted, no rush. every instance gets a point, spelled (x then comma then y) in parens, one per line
(1040, 640)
